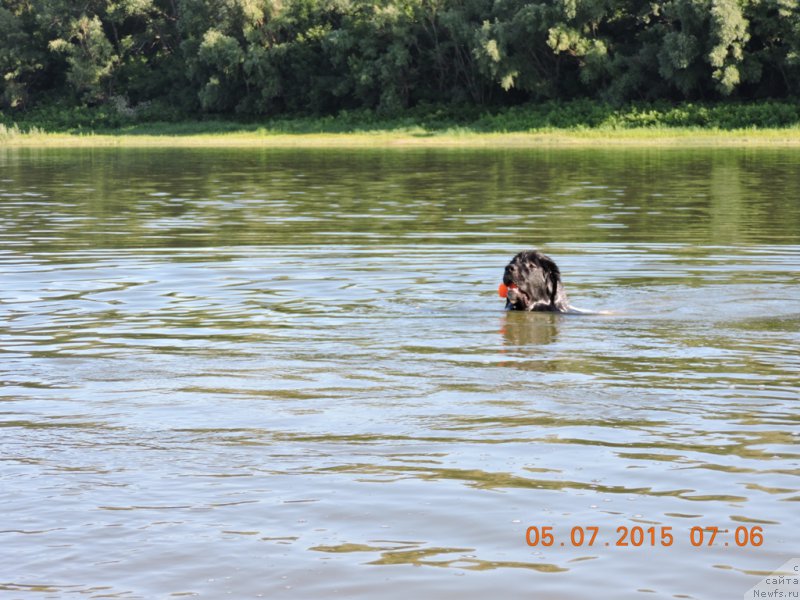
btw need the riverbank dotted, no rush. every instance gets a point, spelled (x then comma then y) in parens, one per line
(413, 139)
(577, 123)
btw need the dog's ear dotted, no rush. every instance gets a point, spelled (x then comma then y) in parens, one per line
(552, 280)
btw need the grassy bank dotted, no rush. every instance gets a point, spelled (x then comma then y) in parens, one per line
(555, 138)
(576, 123)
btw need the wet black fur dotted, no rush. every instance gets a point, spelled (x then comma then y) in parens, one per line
(538, 282)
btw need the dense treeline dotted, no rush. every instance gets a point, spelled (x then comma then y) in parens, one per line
(271, 57)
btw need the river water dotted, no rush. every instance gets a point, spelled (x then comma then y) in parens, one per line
(287, 374)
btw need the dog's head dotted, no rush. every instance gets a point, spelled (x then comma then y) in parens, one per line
(533, 282)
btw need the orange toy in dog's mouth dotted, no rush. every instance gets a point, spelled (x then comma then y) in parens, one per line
(502, 289)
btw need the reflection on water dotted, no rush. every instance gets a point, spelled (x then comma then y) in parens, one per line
(520, 329)
(289, 374)
(179, 198)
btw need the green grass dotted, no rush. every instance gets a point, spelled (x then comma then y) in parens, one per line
(578, 122)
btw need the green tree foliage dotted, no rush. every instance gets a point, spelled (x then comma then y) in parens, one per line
(19, 60)
(90, 56)
(272, 57)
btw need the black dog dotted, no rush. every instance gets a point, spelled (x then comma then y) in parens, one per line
(533, 282)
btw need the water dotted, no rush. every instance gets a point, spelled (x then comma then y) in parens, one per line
(287, 374)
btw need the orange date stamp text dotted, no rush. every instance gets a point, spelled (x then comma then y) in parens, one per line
(638, 536)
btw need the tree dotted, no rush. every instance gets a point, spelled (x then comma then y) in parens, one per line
(90, 56)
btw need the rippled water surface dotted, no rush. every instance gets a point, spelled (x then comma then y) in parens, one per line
(288, 373)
